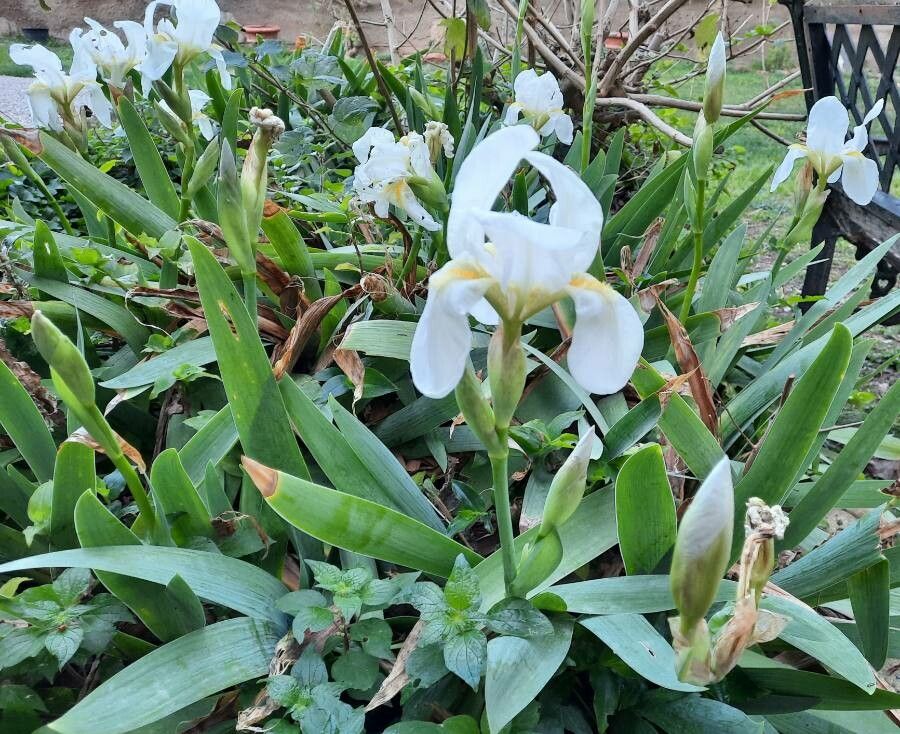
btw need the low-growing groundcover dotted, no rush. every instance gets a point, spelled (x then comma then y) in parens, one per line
(367, 397)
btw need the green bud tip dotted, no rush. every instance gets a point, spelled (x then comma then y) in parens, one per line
(567, 487)
(715, 81)
(64, 359)
(703, 545)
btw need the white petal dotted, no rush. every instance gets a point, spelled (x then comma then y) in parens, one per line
(99, 104)
(46, 64)
(827, 127)
(859, 178)
(43, 107)
(160, 55)
(874, 112)
(197, 23)
(135, 36)
(836, 174)
(221, 67)
(484, 313)
(83, 68)
(207, 129)
(411, 205)
(442, 341)
(607, 339)
(479, 181)
(511, 116)
(370, 138)
(575, 208)
(563, 128)
(794, 154)
(527, 255)
(715, 68)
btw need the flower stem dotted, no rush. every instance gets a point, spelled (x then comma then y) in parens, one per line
(500, 475)
(250, 295)
(698, 253)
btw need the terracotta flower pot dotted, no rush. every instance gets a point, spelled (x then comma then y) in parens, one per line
(266, 32)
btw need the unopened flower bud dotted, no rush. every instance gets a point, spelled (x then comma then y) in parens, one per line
(506, 371)
(803, 184)
(539, 559)
(812, 210)
(703, 147)
(204, 168)
(567, 487)
(477, 412)
(715, 81)
(703, 546)
(70, 372)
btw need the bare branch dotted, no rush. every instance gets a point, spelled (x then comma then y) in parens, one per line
(648, 115)
(660, 100)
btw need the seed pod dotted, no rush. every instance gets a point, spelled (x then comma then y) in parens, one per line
(71, 374)
(703, 546)
(567, 487)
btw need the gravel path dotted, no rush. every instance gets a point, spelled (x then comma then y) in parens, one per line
(13, 102)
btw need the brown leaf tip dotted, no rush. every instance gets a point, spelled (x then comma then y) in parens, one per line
(265, 479)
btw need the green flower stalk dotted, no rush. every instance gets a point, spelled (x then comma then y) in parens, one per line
(506, 371)
(704, 142)
(75, 385)
(233, 221)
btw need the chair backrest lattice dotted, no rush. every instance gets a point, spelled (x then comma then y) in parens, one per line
(851, 52)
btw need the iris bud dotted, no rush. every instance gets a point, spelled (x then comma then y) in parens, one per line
(70, 372)
(715, 81)
(232, 219)
(703, 147)
(703, 547)
(477, 412)
(567, 487)
(204, 168)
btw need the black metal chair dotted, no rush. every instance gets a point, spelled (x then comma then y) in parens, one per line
(840, 54)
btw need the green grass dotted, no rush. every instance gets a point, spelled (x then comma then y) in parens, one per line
(8, 68)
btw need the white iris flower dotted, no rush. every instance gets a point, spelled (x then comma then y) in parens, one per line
(506, 266)
(386, 169)
(540, 100)
(180, 43)
(52, 94)
(828, 153)
(114, 58)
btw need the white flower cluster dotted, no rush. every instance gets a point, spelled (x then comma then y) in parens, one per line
(57, 97)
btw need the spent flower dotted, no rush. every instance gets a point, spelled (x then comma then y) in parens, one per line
(438, 138)
(540, 100)
(831, 155)
(507, 267)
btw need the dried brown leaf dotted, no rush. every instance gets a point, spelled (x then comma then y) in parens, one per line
(397, 678)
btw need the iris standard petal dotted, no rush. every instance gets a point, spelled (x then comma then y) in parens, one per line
(525, 255)
(607, 338)
(46, 64)
(161, 53)
(859, 178)
(479, 181)
(827, 127)
(216, 54)
(373, 136)
(575, 208)
(794, 154)
(443, 340)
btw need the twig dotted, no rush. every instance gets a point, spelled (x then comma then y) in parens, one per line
(391, 31)
(645, 31)
(661, 100)
(766, 131)
(648, 115)
(379, 80)
(768, 92)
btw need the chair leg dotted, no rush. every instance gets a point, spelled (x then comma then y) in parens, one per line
(816, 281)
